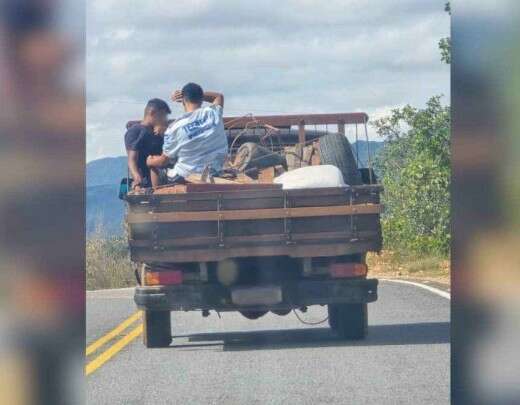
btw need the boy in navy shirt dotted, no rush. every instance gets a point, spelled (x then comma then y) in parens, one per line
(146, 139)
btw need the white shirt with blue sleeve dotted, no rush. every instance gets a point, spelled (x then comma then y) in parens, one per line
(196, 140)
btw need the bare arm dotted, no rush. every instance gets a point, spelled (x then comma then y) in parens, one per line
(209, 96)
(214, 98)
(133, 157)
(157, 161)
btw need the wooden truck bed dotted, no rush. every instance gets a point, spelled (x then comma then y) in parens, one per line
(210, 226)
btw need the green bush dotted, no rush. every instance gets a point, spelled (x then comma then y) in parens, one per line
(414, 167)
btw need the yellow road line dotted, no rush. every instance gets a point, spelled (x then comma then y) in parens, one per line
(113, 350)
(112, 334)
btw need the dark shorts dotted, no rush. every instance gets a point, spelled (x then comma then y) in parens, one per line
(146, 183)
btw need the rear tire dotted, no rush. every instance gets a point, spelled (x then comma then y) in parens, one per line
(281, 312)
(350, 321)
(157, 329)
(251, 155)
(252, 315)
(335, 150)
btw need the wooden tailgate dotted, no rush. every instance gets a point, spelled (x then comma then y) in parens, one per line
(211, 226)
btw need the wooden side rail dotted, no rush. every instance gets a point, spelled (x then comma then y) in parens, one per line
(239, 215)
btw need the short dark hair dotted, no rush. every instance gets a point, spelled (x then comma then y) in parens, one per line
(157, 105)
(193, 93)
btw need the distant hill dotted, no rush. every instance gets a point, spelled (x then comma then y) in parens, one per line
(106, 171)
(105, 211)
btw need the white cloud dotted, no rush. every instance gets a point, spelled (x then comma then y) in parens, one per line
(267, 57)
(121, 34)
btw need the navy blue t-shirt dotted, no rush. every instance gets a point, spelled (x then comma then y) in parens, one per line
(143, 140)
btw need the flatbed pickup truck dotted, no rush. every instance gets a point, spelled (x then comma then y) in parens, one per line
(255, 247)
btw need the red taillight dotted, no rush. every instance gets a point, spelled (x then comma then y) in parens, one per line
(341, 270)
(167, 277)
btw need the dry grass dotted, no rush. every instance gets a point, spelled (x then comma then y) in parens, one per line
(108, 263)
(398, 265)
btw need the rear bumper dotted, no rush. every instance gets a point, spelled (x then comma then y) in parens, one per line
(294, 295)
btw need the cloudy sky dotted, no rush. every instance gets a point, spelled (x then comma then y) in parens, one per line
(269, 56)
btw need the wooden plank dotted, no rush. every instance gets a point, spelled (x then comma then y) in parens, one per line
(259, 202)
(316, 157)
(341, 127)
(307, 155)
(265, 200)
(266, 175)
(173, 189)
(197, 179)
(237, 215)
(231, 186)
(176, 242)
(245, 194)
(301, 132)
(240, 240)
(242, 178)
(237, 194)
(293, 156)
(176, 230)
(209, 255)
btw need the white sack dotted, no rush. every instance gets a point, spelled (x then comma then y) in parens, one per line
(311, 177)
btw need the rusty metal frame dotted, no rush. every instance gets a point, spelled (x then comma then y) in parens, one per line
(298, 120)
(285, 121)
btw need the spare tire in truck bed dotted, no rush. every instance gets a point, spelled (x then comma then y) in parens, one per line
(251, 155)
(335, 150)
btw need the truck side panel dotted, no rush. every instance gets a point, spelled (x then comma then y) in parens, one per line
(214, 226)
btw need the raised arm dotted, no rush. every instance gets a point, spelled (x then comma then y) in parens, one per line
(214, 98)
(209, 96)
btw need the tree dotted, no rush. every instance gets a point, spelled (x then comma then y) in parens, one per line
(445, 43)
(414, 167)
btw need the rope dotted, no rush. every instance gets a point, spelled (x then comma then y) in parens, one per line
(309, 323)
(269, 131)
(246, 127)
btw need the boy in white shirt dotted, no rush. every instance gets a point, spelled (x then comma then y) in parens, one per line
(195, 140)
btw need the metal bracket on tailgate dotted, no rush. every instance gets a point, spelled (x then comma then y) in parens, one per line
(353, 227)
(287, 220)
(155, 228)
(220, 222)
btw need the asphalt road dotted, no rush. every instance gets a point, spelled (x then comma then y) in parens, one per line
(275, 360)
